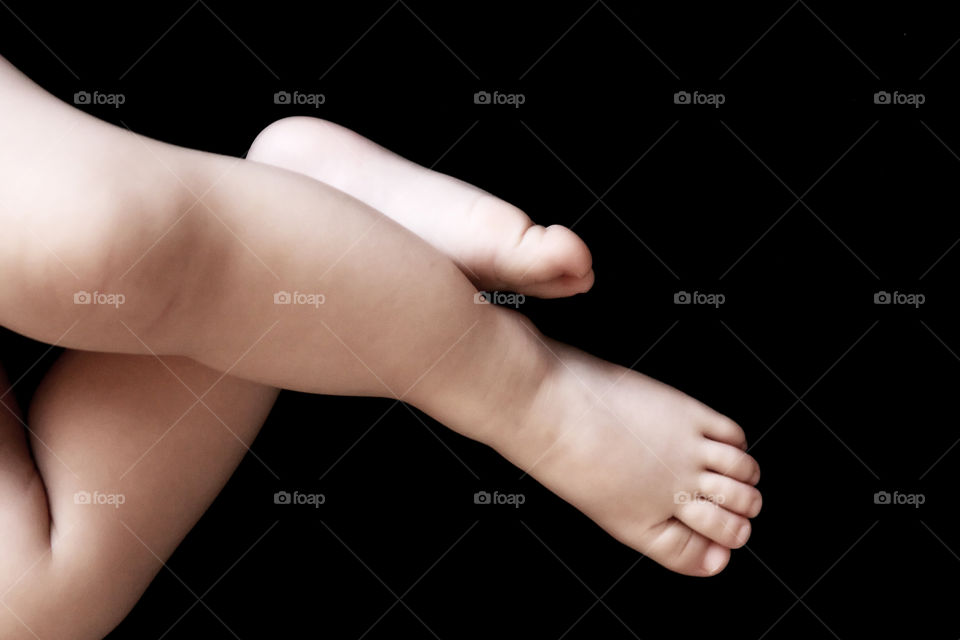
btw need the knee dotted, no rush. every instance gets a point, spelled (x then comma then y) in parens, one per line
(114, 247)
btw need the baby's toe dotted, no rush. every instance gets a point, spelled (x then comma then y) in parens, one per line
(730, 461)
(679, 548)
(731, 494)
(722, 429)
(553, 260)
(715, 522)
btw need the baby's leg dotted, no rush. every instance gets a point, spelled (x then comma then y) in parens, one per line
(199, 276)
(398, 319)
(495, 243)
(202, 282)
(127, 461)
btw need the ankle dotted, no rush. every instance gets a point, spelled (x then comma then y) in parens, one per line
(488, 391)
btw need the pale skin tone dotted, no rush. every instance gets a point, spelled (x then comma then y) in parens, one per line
(198, 245)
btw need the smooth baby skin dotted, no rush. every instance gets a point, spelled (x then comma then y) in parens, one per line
(199, 245)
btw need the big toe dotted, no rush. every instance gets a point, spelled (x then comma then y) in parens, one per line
(679, 548)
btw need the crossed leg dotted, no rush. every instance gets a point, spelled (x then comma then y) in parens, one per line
(130, 430)
(622, 460)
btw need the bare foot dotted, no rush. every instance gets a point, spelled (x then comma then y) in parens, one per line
(496, 245)
(655, 468)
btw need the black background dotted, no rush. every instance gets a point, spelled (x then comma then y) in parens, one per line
(798, 199)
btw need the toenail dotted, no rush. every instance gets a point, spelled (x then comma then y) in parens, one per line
(713, 559)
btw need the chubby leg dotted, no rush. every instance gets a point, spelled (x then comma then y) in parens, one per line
(495, 243)
(398, 319)
(125, 432)
(198, 246)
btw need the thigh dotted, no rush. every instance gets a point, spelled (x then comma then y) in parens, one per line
(130, 460)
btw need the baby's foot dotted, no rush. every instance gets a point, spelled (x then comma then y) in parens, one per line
(656, 469)
(495, 244)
